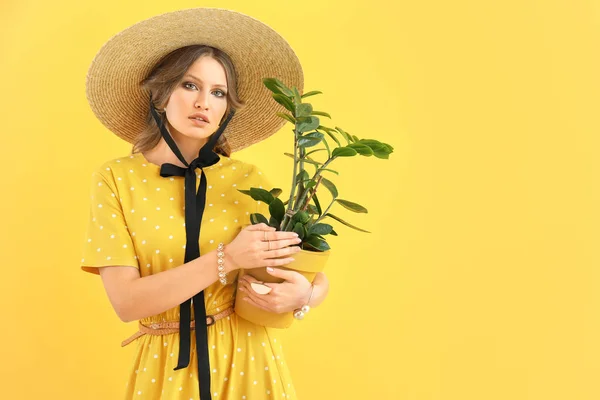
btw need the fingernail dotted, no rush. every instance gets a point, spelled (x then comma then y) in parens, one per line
(269, 269)
(296, 234)
(242, 289)
(245, 299)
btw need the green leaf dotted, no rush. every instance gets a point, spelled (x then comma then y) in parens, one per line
(330, 186)
(345, 223)
(306, 160)
(329, 170)
(380, 150)
(320, 229)
(312, 210)
(314, 134)
(311, 184)
(274, 223)
(261, 195)
(275, 192)
(303, 110)
(272, 85)
(301, 216)
(344, 152)
(314, 151)
(331, 135)
(344, 134)
(326, 129)
(299, 229)
(324, 114)
(316, 243)
(334, 233)
(317, 204)
(257, 218)
(355, 138)
(327, 148)
(280, 85)
(302, 176)
(287, 117)
(311, 161)
(308, 141)
(297, 97)
(277, 210)
(306, 124)
(362, 149)
(354, 207)
(284, 101)
(311, 93)
(383, 152)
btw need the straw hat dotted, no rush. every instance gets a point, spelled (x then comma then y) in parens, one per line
(257, 52)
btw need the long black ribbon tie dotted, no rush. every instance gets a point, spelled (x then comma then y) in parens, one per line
(194, 208)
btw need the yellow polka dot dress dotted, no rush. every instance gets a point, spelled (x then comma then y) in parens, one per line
(137, 219)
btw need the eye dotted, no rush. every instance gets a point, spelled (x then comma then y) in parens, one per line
(188, 84)
(222, 93)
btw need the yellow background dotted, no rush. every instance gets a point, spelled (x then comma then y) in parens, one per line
(480, 279)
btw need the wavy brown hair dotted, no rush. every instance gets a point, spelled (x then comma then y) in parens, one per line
(167, 74)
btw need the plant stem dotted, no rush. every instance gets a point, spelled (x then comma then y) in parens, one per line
(286, 217)
(317, 175)
(325, 212)
(311, 195)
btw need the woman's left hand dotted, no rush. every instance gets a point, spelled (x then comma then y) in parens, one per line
(286, 296)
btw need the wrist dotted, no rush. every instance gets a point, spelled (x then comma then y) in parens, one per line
(305, 307)
(230, 266)
(312, 296)
(321, 289)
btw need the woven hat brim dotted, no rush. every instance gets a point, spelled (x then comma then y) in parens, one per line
(257, 52)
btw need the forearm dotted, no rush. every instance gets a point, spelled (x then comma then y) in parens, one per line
(320, 291)
(156, 293)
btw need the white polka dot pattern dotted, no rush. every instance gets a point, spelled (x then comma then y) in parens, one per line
(141, 223)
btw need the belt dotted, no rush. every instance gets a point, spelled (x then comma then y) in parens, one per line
(166, 328)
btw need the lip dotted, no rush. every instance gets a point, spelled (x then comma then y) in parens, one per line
(198, 122)
(199, 115)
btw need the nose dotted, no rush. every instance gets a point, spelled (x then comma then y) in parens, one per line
(202, 101)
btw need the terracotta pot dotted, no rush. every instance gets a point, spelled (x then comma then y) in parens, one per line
(307, 263)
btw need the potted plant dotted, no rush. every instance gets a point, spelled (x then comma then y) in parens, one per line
(302, 211)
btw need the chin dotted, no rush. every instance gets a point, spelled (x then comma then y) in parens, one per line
(196, 133)
(197, 136)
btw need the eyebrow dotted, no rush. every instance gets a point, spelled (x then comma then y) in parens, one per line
(200, 80)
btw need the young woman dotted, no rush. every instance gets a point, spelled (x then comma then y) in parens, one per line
(168, 228)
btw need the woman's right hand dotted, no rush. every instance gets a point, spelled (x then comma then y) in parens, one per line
(250, 248)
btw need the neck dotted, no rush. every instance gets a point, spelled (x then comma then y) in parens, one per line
(188, 147)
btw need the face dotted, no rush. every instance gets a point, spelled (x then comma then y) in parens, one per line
(203, 89)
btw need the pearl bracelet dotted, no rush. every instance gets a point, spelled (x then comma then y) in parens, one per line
(221, 268)
(299, 312)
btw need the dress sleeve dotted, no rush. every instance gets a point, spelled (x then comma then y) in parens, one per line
(107, 242)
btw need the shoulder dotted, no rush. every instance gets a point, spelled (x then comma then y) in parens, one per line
(108, 170)
(249, 169)
(114, 165)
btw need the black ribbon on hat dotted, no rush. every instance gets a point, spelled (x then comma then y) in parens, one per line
(194, 208)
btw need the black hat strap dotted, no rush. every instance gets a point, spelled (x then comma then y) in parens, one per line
(194, 209)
